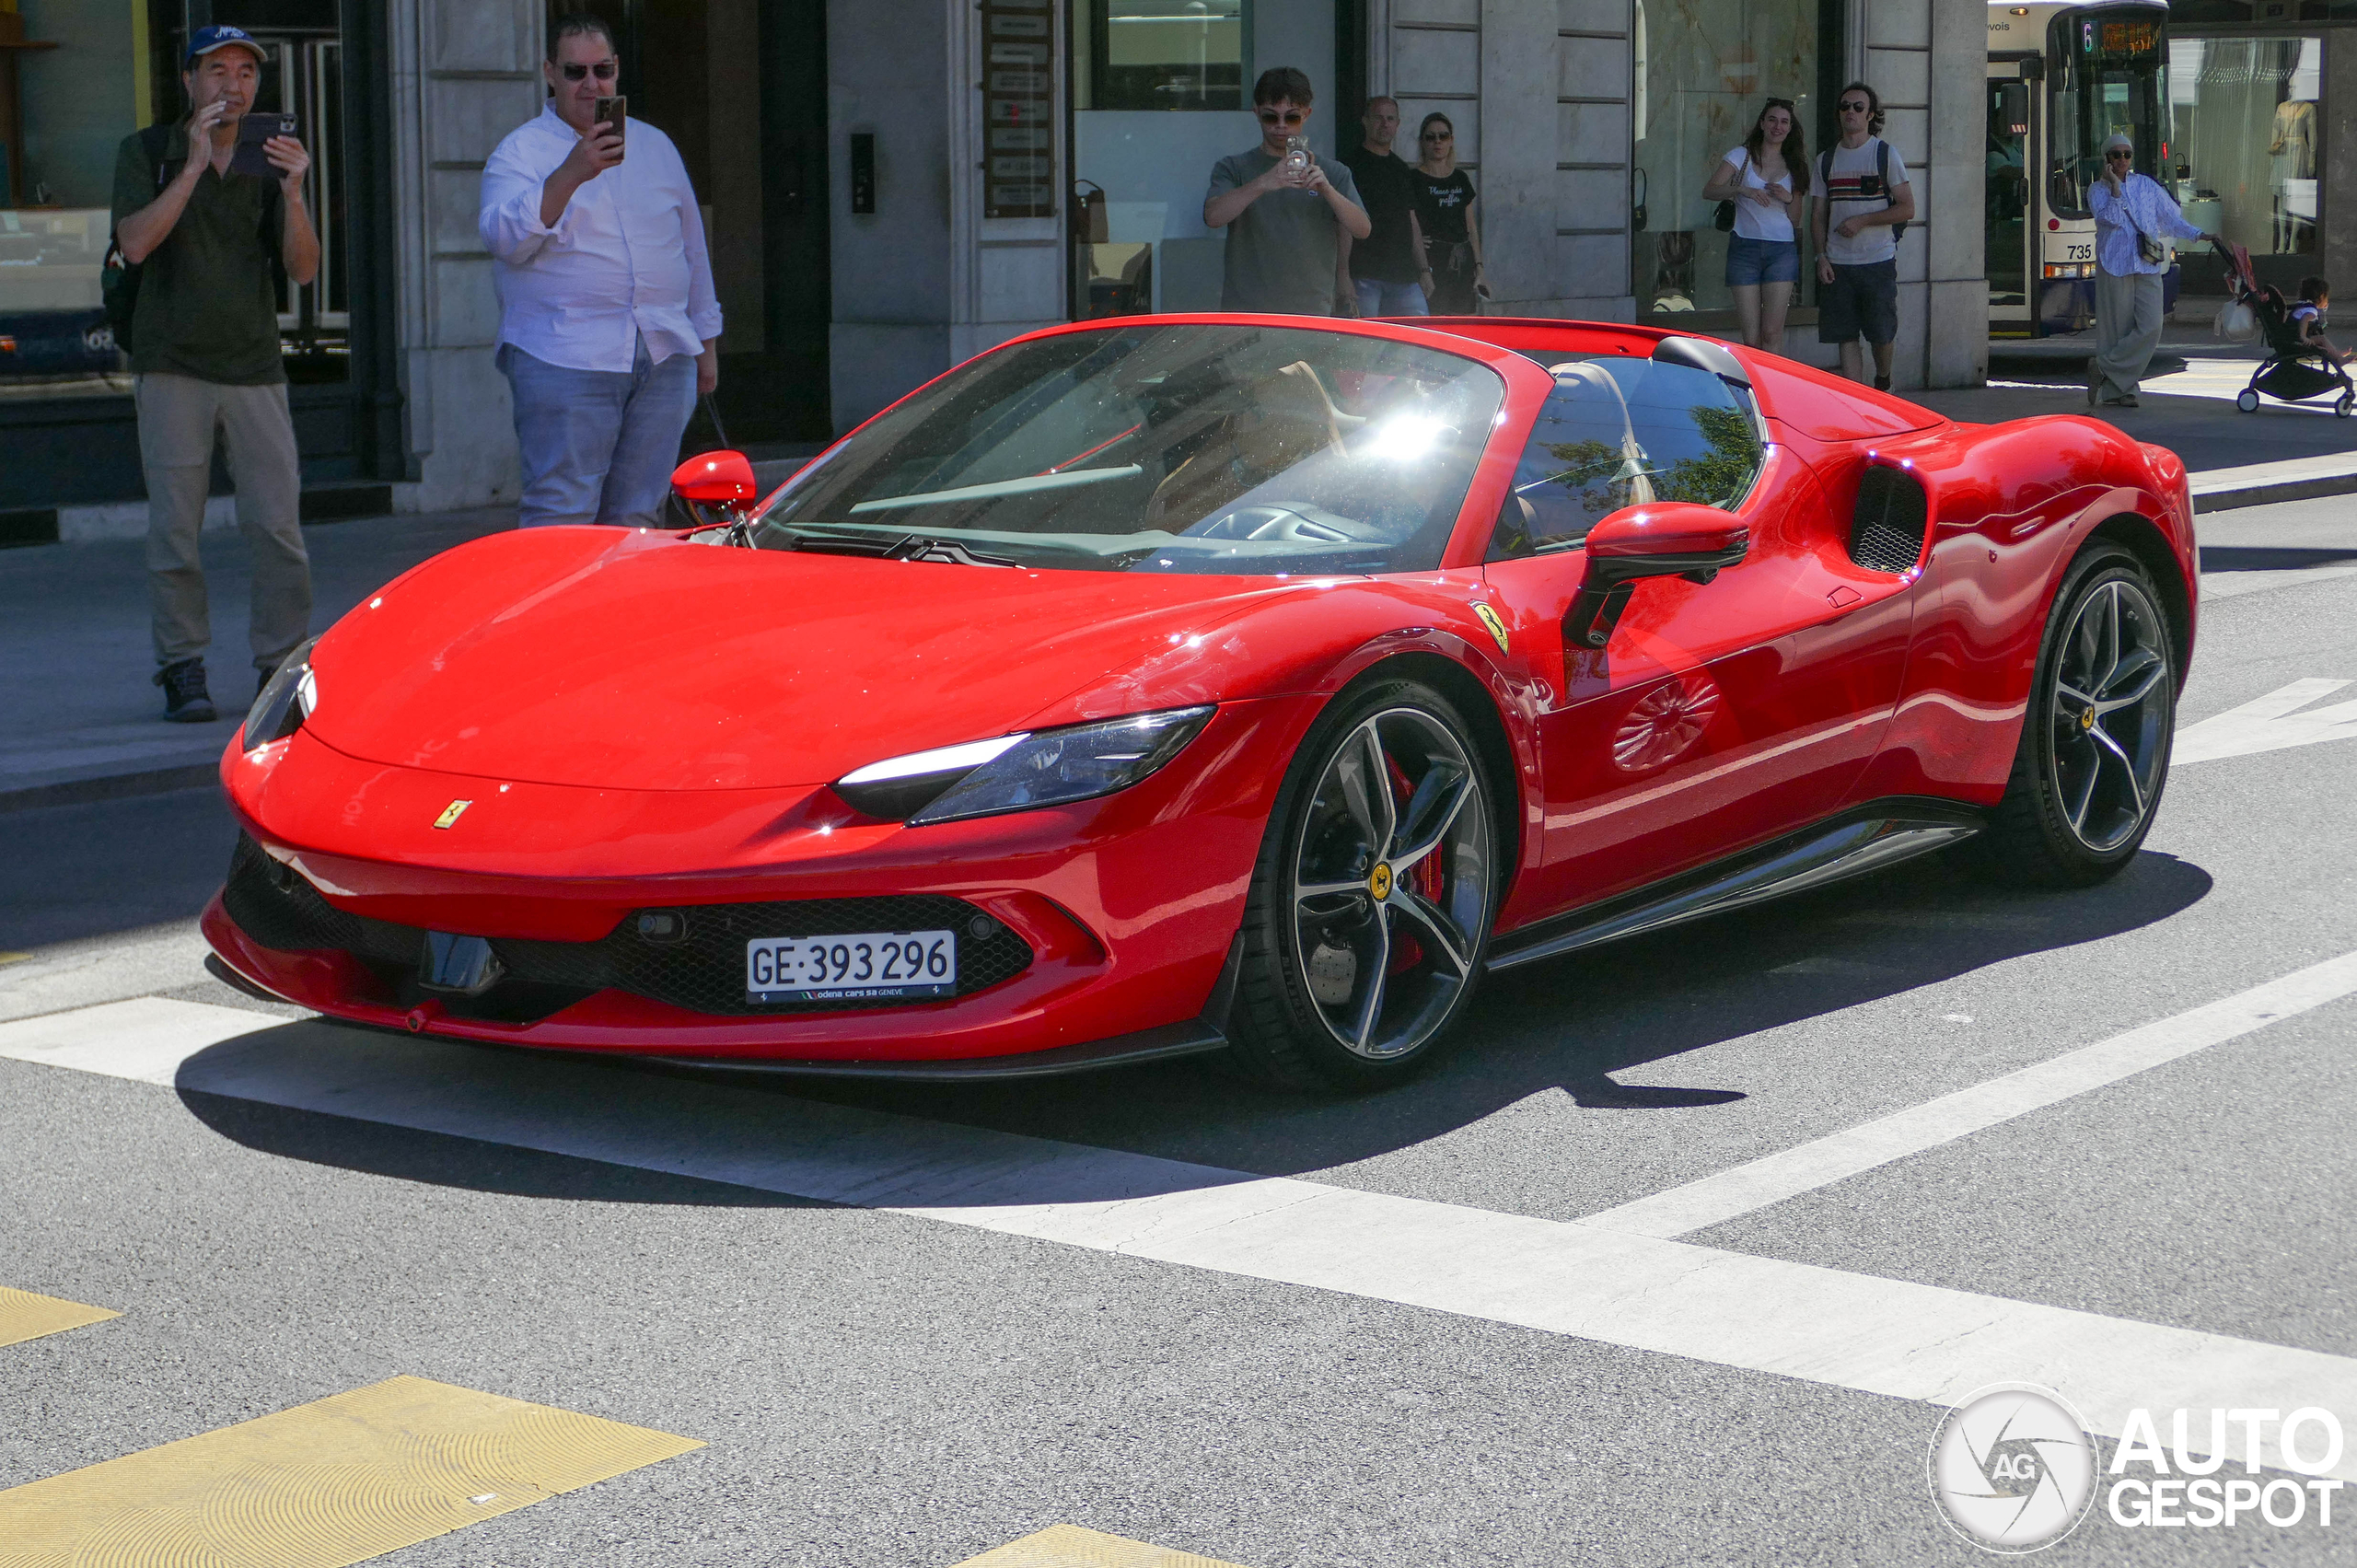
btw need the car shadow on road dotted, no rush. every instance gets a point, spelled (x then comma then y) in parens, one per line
(619, 1132)
(1578, 1024)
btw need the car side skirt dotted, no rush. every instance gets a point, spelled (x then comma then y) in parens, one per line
(1862, 840)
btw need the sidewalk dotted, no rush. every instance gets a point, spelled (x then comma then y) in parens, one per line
(79, 718)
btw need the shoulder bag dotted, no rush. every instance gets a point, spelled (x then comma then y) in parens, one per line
(1723, 216)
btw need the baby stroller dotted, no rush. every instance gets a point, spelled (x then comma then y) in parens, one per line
(2292, 371)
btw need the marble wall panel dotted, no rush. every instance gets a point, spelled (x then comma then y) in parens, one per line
(490, 35)
(1593, 133)
(471, 117)
(453, 205)
(1021, 282)
(1591, 199)
(1909, 131)
(1460, 12)
(1594, 16)
(466, 307)
(1897, 21)
(1591, 267)
(1957, 341)
(1592, 67)
(1900, 75)
(1906, 361)
(1435, 62)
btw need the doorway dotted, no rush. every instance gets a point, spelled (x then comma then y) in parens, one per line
(740, 88)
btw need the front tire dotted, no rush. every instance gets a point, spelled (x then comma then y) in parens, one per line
(1369, 916)
(2094, 746)
(2247, 401)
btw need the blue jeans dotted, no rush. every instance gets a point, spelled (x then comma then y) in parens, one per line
(599, 446)
(1390, 298)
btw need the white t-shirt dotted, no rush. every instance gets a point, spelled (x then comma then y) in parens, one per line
(1753, 220)
(1853, 168)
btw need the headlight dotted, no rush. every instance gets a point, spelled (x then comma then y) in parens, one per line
(1019, 773)
(287, 699)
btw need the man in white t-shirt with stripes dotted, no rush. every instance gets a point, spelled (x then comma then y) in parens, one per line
(1864, 201)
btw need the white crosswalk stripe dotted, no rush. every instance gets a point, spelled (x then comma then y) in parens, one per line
(1853, 1331)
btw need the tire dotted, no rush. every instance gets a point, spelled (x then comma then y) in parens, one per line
(2247, 401)
(1369, 915)
(2345, 404)
(2094, 749)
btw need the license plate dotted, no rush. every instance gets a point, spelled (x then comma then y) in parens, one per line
(862, 966)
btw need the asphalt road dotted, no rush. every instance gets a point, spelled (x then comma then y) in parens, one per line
(878, 1387)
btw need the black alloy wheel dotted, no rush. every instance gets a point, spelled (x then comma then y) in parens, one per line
(1370, 910)
(2094, 749)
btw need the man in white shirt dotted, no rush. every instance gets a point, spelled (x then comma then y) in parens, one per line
(608, 326)
(1863, 199)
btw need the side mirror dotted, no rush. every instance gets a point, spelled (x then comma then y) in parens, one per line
(715, 478)
(1675, 539)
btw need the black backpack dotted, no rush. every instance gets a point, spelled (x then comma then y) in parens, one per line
(118, 277)
(1882, 172)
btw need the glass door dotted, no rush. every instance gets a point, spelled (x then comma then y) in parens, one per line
(2008, 198)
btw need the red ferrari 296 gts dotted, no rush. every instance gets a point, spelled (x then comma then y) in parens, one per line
(1209, 683)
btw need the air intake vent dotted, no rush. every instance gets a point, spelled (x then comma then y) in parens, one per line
(1886, 532)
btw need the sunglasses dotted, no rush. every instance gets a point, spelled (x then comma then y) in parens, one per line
(1438, 136)
(1271, 116)
(1854, 108)
(604, 70)
(2118, 153)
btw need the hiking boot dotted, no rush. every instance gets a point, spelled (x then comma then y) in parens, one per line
(185, 698)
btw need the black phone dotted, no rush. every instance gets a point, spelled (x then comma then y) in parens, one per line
(613, 111)
(253, 129)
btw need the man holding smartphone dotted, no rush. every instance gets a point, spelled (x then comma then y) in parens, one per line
(609, 327)
(1286, 210)
(205, 359)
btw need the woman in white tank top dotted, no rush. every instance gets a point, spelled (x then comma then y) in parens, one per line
(1767, 178)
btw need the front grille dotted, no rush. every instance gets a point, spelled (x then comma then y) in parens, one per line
(1887, 530)
(702, 970)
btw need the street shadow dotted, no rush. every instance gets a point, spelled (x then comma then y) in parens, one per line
(2268, 558)
(1579, 1025)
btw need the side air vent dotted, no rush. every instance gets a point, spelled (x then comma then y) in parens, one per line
(1886, 531)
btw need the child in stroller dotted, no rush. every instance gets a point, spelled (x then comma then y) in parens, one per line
(2301, 363)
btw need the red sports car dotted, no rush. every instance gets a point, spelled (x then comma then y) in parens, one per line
(1184, 684)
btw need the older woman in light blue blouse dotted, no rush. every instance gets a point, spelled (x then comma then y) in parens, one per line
(2129, 207)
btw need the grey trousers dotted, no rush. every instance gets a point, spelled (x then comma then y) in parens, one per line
(178, 418)
(2128, 329)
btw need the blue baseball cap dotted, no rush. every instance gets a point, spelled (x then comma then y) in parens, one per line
(204, 41)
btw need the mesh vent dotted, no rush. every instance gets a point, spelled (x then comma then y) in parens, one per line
(702, 971)
(1886, 531)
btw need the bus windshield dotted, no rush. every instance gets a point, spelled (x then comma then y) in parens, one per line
(2106, 78)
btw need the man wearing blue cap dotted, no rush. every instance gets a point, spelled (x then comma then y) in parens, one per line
(205, 362)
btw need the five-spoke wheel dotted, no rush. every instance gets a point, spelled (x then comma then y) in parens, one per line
(1371, 905)
(2096, 751)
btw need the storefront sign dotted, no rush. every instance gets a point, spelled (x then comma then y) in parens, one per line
(1018, 114)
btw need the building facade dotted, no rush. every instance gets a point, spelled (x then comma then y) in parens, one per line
(893, 185)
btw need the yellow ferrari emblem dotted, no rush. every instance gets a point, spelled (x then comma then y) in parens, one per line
(1497, 627)
(452, 812)
(1379, 884)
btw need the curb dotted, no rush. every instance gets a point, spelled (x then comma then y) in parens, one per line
(2226, 497)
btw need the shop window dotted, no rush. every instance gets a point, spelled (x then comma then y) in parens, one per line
(2249, 143)
(1704, 71)
(1167, 54)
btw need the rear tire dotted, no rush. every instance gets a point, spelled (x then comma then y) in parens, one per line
(1369, 915)
(2094, 746)
(2345, 405)
(2247, 401)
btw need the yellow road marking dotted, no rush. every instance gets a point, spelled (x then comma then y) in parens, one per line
(14, 958)
(1069, 1545)
(24, 1315)
(323, 1485)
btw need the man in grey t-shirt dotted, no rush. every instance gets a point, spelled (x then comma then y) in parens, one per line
(1284, 252)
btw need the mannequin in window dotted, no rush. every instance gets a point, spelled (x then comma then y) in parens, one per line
(2291, 153)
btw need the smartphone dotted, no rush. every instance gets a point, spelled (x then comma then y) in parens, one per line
(1297, 160)
(253, 129)
(613, 111)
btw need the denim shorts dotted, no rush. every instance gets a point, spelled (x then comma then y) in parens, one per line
(1762, 261)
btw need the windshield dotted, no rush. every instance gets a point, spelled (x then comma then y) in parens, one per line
(1247, 449)
(2107, 79)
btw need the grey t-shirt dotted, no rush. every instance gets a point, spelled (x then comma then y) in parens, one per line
(1283, 249)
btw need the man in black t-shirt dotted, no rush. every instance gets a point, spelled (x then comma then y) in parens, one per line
(1384, 269)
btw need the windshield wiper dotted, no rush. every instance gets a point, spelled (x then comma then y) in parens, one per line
(893, 547)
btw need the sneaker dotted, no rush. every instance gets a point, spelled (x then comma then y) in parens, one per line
(1881, 383)
(185, 698)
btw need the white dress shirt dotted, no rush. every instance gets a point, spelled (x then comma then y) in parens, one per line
(2141, 204)
(625, 260)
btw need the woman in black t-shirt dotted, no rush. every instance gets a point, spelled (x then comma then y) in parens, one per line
(1453, 281)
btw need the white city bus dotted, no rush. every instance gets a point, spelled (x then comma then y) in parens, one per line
(2062, 76)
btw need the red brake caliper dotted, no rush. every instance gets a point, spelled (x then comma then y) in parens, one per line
(1406, 952)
